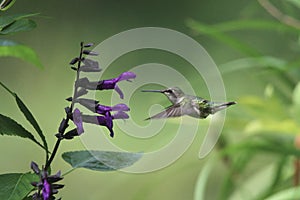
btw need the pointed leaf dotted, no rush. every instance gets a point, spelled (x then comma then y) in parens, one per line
(31, 119)
(5, 21)
(16, 186)
(10, 127)
(9, 19)
(23, 15)
(18, 26)
(28, 115)
(101, 160)
(13, 49)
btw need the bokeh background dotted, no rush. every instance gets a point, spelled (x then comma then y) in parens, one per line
(257, 56)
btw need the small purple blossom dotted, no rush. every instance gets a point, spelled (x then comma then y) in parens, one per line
(120, 115)
(102, 109)
(112, 83)
(94, 106)
(46, 191)
(105, 120)
(77, 119)
(46, 187)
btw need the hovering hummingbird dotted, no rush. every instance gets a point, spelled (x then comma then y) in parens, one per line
(183, 104)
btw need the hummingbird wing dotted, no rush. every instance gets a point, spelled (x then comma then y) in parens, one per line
(171, 111)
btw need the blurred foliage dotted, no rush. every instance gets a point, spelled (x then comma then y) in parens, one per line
(270, 122)
(12, 24)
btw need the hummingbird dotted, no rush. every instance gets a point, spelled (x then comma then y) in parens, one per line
(184, 104)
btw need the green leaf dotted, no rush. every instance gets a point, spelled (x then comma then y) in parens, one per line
(6, 4)
(18, 26)
(5, 21)
(13, 49)
(100, 160)
(9, 19)
(291, 193)
(16, 186)
(10, 127)
(23, 15)
(28, 115)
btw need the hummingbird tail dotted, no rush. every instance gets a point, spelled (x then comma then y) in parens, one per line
(229, 103)
(222, 106)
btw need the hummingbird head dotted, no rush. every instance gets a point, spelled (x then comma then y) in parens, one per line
(174, 94)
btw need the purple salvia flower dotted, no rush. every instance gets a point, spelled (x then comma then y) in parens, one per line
(77, 119)
(106, 120)
(35, 167)
(126, 76)
(85, 83)
(46, 191)
(112, 83)
(102, 109)
(46, 187)
(120, 107)
(94, 106)
(120, 115)
(88, 103)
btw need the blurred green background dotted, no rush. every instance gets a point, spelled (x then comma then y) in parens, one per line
(256, 54)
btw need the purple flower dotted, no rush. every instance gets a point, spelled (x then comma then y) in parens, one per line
(105, 120)
(94, 106)
(120, 115)
(77, 119)
(102, 109)
(46, 186)
(46, 191)
(112, 83)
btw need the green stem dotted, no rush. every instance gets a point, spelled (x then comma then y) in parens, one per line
(68, 172)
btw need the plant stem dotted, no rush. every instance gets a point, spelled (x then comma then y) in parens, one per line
(59, 138)
(53, 153)
(68, 172)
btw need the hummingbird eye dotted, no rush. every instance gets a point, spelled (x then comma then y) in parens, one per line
(204, 101)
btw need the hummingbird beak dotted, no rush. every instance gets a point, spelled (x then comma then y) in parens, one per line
(160, 91)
